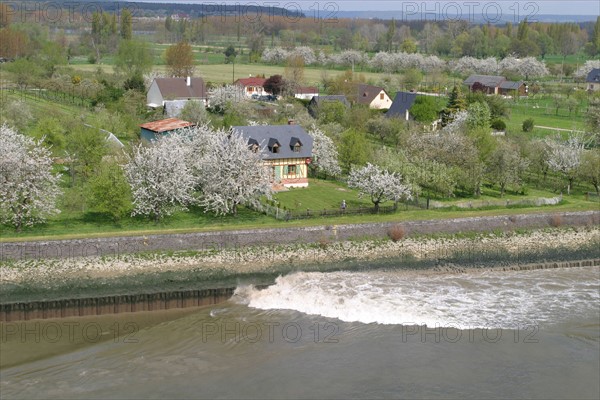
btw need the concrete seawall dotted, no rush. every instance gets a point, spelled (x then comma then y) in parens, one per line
(114, 246)
(11, 312)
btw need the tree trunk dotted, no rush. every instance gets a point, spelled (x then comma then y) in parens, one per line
(376, 206)
(234, 209)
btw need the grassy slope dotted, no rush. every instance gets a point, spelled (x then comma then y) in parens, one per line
(318, 196)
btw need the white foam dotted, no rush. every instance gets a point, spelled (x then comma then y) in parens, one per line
(473, 300)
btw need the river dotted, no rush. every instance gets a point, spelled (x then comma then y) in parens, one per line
(367, 334)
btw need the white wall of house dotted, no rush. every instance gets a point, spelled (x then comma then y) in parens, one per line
(381, 101)
(154, 97)
(305, 96)
(259, 90)
(593, 86)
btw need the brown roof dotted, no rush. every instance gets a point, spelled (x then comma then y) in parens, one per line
(367, 93)
(164, 125)
(306, 90)
(251, 81)
(177, 88)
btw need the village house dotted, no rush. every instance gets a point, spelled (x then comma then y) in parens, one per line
(287, 149)
(178, 90)
(373, 96)
(252, 86)
(153, 130)
(306, 92)
(593, 80)
(493, 84)
(401, 105)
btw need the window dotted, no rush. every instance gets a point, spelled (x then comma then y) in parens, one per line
(255, 148)
(380, 96)
(291, 170)
(249, 89)
(297, 148)
(275, 148)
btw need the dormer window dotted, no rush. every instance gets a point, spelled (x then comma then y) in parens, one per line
(253, 145)
(296, 145)
(274, 145)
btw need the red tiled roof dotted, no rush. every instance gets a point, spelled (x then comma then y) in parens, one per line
(177, 88)
(251, 81)
(306, 90)
(164, 125)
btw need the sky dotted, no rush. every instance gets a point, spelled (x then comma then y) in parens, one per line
(564, 7)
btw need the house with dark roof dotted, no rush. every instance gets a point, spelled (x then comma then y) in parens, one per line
(287, 150)
(593, 80)
(252, 85)
(373, 96)
(401, 105)
(318, 101)
(166, 89)
(494, 84)
(153, 130)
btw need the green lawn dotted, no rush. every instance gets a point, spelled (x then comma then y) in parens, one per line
(320, 195)
(544, 114)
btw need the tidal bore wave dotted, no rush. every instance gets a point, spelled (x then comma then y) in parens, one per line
(488, 299)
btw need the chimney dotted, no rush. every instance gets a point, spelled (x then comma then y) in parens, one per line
(291, 122)
(188, 81)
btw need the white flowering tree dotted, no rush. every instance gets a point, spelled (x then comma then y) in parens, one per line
(275, 55)
(232, 173)
(325, 154)
(160, 177)
(565, 158)
(306, 53)
(220, 97)
(28, 188)
(586, 68)
(380, 185)
(529, 67)
(469, 65)
(505, 166)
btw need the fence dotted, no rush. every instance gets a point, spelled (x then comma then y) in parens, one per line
(51, 95)
(288, 215)
(431, 204)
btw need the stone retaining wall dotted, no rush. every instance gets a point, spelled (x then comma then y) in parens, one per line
(115, 246)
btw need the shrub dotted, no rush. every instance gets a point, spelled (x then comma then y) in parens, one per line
(498, 125)
(324, 243)
(556, 221)
(396, 233)
(528, 125)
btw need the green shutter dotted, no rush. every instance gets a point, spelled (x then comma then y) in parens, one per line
(278, 172)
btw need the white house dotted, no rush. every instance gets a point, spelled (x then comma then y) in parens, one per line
(165, 89)
(373, 96)
(306, 92)
(252, 86)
